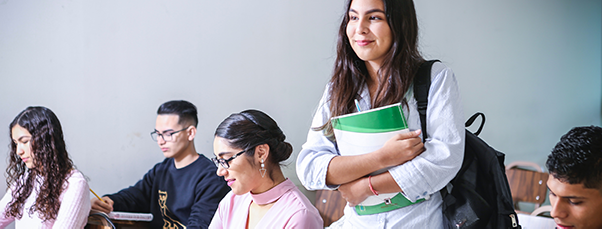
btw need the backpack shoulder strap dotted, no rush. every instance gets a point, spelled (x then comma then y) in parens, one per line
(422, 83)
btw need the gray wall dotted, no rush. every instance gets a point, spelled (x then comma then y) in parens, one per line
(533, 67)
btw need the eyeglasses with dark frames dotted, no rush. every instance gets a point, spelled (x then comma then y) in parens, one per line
(225, 163)
(168, 137)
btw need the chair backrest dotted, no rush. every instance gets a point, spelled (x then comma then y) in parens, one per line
(331, 205)
(523, 164)
(99, 220)
(542, 211)
(526, 185)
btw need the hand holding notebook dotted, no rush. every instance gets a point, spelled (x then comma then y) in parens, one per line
(401, 148)
(381, 129)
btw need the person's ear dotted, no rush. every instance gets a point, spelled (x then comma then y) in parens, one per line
(262, 152)
(191, 133)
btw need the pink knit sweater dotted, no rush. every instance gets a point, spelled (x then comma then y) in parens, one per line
(73, 213)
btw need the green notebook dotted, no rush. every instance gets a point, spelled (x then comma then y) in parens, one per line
(366, 131)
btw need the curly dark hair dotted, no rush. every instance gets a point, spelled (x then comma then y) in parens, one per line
(577, 158)
(51, 169)
(397, 71)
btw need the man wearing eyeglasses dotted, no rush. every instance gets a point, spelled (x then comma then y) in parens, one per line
(183, 191)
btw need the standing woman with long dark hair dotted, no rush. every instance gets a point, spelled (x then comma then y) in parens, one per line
(377, 59)
(45, 190)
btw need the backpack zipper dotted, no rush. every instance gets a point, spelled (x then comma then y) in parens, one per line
(514, 224)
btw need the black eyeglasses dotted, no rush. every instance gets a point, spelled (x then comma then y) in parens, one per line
(225, 163)
(166, 136)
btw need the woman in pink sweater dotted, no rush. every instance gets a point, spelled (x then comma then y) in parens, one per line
(45, 191)
(249, 148)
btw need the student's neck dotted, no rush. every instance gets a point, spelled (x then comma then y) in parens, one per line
(269, 184)
(373, 80)
(186, 158)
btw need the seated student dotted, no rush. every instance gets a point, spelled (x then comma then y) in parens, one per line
(183, 190)
(45, 190)
(250, 147)
(575, 181)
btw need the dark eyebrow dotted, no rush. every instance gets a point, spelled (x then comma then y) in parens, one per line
(369, 11)
(222, 153)
(164, 131)
(21, 138)
(573, 197)
(567, 197)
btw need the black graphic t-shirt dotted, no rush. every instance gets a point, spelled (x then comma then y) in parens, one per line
(177, 198)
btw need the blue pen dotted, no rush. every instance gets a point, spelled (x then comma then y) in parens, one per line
(357, 104)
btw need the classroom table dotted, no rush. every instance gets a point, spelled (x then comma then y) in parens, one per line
(535, 222)
(97, 221)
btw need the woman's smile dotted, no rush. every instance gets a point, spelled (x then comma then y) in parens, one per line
(363, 42)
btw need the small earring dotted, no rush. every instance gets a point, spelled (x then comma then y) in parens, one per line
(262, 170)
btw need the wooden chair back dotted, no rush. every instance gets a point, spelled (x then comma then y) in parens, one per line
(99, 220)
(526, 185)
(542, 211)
(331, 205)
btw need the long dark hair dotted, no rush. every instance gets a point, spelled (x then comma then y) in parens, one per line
(51, 163)
(396, 73)
(250, 128)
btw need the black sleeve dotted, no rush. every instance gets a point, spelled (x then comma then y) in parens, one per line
(209, 191)
(135, 198)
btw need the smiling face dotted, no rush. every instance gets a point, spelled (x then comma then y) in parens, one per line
(574, 206)
(368, 30)
(242, 176)
(22, 138)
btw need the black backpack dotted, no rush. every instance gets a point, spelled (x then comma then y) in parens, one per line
(480, 195)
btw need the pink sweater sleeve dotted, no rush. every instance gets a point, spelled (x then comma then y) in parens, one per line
(223, 213)
(216, 222)
(75, 203)
(4, 221)
(304, 219)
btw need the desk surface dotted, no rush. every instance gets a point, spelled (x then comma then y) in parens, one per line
(99, 222)
(535, 222)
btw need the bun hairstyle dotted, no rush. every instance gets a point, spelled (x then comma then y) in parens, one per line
(251, 128)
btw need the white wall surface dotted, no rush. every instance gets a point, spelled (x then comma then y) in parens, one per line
(104, 67)
(533, 67)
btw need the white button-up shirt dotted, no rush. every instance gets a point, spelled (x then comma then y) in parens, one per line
(421, 177)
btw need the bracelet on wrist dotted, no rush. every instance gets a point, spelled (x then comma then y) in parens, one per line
(370, 185)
